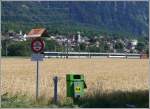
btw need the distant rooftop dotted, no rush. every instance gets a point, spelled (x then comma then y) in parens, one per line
(39, 32)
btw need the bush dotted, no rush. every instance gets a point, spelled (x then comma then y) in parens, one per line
(140, 46)
(118, 99)
(19, 49)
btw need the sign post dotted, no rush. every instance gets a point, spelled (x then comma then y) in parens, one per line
(37, 46)
(37, 80)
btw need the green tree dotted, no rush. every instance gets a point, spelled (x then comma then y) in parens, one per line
(119, 46)
(51, 45)
(82, 47)
(106, 48)
(140, 46)
(94, 49)
(19, 49)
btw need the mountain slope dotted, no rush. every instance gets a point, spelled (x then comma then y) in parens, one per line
(127, 18)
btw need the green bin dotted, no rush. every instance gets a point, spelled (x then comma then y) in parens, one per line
(75, 85)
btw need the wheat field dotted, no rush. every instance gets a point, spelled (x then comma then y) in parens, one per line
(18, 75)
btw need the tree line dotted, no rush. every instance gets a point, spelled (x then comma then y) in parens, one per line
(23, 48)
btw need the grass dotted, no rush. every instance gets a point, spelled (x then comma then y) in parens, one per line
(118, 99)
(23, 101)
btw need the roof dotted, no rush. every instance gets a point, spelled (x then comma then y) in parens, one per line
(36, 32)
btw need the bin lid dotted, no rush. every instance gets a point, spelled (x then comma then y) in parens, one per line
(74, 77)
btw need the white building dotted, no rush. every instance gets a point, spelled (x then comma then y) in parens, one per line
(20, 33)
(79, 37)
(134, 42)
(24, 37)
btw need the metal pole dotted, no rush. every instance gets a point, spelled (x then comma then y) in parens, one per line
(79, 49)
(89, 52)
(6, 48)
(37, 80)
(55, 79)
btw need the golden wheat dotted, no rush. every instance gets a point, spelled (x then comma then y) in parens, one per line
(18, 74)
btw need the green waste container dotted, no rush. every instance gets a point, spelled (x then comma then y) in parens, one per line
(75, 85)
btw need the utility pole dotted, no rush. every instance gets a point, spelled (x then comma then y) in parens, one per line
(6, 48)
(79, 49)
(6, 44)
(67, 49)
(79, 40)
(67, 45)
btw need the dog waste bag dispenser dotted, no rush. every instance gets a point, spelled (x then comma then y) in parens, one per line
(75, 85)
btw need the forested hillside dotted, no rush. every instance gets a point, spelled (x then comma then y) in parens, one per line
(121, 18)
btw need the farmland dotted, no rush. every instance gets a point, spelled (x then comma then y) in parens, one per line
(18, 75)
